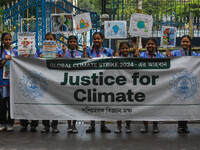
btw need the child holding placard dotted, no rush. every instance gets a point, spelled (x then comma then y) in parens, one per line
(97, 50)
(34, 123)
(6, 55)
(54, 123)
(72, 51)
(151, 52)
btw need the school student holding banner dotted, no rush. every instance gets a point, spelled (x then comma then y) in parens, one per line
(151, 52)
(184, 51)
(34, 123)
(185, 48)
(23, 122)
(72, 52)
(6, 55)
(54, 123)
(124, 49)
(97, 50)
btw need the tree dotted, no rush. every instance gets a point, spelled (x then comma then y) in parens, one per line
(87, 5)
(96, 6)
(4, 2)
(1, 11)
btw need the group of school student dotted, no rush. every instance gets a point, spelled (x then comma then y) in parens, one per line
(96, 50)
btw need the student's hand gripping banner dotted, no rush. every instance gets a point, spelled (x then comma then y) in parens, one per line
(105, 89)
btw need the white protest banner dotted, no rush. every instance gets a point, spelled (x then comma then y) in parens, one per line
(26, 43)
(105, 89)
(141, 25)
(168, 37)
(49, 49)
(62, 23)
(83, 22)
(115, 29)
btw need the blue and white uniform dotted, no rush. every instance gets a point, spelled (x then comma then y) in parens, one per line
(5, 83)
(147, 55)
(71, 53)
(181, 52)
(5, 118)
(102, 52)
(38, 53)
(46, 123)
(154, 55)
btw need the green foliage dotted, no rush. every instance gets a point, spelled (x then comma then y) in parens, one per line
(4, 2)
(87, 5)
(96, 6)
(158, 8)
(1, 11)
(1, 18)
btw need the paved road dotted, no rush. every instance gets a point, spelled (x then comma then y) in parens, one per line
(167, 139)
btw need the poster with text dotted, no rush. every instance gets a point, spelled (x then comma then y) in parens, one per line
(83, 23)
(26, 43)
(49, 49)
(62, 23)
(141, 25)
(115, 29)
(168, 37)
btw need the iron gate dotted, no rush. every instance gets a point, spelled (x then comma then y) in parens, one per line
(35, 16)
(175, 13)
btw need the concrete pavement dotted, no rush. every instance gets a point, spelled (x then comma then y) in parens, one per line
(167, 139)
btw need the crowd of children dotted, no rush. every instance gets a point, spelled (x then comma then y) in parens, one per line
(95, 51)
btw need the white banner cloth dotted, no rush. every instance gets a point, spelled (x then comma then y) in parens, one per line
(105, 89)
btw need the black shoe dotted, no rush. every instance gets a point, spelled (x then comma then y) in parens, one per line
(70, 129)
(55, 130)
(45, 129)
(185, 130)
(90, 129)
(23, 129)
(180, 130)
(33, 129)
(155, 128)
(104, 129)
(144, 129)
